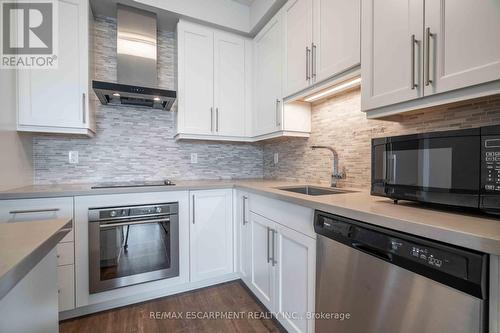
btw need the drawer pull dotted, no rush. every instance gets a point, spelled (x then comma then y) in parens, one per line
(29, 211)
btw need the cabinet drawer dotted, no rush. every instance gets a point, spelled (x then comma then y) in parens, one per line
(37, 209)
(66, 287)
(65, 254)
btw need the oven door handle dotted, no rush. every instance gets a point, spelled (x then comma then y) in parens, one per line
(121, 224)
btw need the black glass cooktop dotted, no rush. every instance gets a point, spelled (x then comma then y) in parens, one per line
(166, 182)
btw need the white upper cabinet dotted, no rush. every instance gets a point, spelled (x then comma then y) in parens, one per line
(322, 40)
(211, 233)
(268, 77)
(392, 51)
(337, 37)
(212, 84)
(298, 37)
(196, 79)
(57, 100)
(229, 84)
(418, 53)
(464, 47)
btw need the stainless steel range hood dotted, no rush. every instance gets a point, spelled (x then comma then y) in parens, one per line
(136, 64)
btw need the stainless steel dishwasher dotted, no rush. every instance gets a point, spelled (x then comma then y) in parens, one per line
(371, 279)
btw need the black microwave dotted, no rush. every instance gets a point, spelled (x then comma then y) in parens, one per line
(454, 168)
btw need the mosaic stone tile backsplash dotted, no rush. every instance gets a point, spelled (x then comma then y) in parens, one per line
(339, 123)
(137, 143)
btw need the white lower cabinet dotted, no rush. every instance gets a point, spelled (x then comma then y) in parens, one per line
(295, 260)
(244, 236)
(46, 209)
(66, 287)
(282, 270)
(211, 233)
(263, 271)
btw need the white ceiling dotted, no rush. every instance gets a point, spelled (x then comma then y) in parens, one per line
(245, 2)
(245, 17)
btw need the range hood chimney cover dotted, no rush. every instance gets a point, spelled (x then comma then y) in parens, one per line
(136, 64)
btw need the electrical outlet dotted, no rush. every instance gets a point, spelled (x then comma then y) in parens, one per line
(194, 158)
(276, 158)
(73, 157)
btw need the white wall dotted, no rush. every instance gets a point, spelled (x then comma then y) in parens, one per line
(16, 163)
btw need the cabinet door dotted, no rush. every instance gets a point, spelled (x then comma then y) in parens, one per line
(263, 276)
(229, 84)
(66, 287)
(58, 97)
(337, 37)
(464, 44)
(387, 65)
(211, 236)
(268, 77)
(295, 261)
(196, 79)
(298, 24)
(244, 237)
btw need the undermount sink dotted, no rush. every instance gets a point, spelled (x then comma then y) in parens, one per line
(314, 190)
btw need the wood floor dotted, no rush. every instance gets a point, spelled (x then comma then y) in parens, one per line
(225, 299)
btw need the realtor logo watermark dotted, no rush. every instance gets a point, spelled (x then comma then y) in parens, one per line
(29, 37)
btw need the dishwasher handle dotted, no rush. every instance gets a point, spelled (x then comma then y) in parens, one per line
(373, 251)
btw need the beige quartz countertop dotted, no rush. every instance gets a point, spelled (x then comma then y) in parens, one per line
(470, 230)
(23, 245)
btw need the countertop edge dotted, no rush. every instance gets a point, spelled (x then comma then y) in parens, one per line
(10, 279)
(91, 192)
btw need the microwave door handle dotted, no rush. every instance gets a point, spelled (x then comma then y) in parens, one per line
(394, 165)
(391, 169)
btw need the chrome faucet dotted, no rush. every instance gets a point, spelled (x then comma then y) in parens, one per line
(336, 174)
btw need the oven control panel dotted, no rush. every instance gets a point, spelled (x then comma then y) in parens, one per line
(490, 164)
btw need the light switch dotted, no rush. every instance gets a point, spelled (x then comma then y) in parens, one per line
(194, 158)
(276, 158)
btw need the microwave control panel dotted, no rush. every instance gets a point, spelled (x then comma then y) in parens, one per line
(490, 164)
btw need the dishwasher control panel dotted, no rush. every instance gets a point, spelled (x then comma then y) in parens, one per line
(418, 253)
(463, 269)
(433, 258)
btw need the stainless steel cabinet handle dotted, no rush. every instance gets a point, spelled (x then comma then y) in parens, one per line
(84, 108)
(121, 224)
(313, 60)
(29, 211)
(217, 119)
(278, 112)
(245, 210)
(274, 262)
(194, 210)
(211, 119)
(428, 36)
(268, 251)
(413, 85)
(308, 52)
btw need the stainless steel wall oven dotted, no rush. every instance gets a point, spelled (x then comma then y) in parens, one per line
(132, 244)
